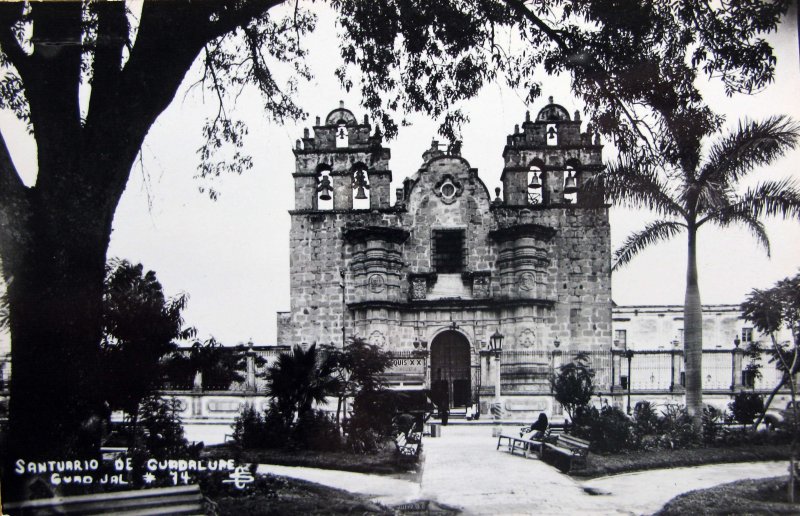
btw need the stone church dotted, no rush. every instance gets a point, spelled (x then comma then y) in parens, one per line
(435, 275)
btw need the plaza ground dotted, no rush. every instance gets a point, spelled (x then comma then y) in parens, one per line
(463, 469)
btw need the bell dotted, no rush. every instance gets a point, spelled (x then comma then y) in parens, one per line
(361, 194)
(325, 188)
(536, 183)
(570, 185)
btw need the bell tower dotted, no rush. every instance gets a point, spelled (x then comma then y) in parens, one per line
(341, 179)
(342, 162)
(552, 233)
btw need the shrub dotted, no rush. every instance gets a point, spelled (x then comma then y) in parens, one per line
(677, 428)
(316, 430)
(646, 420)
(252, 430)
(573, 386)
(712, 418)
(746, 406)
(608, 429)
(372, 420)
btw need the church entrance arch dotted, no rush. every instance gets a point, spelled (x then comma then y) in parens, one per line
(451, 369)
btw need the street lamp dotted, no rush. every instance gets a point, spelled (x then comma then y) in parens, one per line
(629, 355)
(496, 343)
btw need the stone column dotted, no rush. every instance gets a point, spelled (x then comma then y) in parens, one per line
(677, 361)
(251, 370)
(342, 190)
(736, 373)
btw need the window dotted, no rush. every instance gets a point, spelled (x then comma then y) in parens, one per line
(747, 335)
(447, 251)
(621, 338)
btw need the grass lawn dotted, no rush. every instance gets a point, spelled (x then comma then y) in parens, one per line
(764, 496)
(601, 465)
(280, 496)
(385, 462)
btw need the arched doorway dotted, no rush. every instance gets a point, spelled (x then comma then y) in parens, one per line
(451, 369)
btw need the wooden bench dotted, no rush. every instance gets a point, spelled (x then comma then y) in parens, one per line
(575, 450)
(408, 447)
(527, 445)
(146, 502)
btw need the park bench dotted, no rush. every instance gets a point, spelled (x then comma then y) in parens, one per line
(408, 445)
(146, 502)
(526, 445)
(575, 451)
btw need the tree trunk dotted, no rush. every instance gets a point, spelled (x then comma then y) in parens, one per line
(693, 335)
(767, 404)
(55, 301)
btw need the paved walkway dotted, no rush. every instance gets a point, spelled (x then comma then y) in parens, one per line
(463, 469)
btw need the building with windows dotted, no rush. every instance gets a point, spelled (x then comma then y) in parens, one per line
(434, 274)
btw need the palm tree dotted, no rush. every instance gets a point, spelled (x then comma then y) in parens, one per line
(690, 192)
(299, 379)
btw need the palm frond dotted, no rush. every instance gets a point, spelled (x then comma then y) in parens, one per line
(752, 144)
(636, 186)
(637, 242)
(772, 199)
(726, 219)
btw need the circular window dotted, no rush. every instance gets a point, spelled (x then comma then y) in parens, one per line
(448, 190)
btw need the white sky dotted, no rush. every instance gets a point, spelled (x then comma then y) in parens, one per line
(232, 255)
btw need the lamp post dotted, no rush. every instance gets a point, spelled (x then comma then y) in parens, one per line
(629, 355)
(495, 348)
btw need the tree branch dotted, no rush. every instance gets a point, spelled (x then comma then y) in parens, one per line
(11, 13)
(554, 35)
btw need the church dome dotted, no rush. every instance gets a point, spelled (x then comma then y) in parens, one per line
(553, 113)
(341, 116)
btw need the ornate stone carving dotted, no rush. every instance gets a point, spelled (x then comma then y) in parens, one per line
(481, 286)
(527, 281)
(526, 338)
(448, 189)
(377, 338)
(419, 288)
(376, 283)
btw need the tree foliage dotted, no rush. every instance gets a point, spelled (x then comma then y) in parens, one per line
(573, 386)
(90, 79)
(219, 365)
(141, 326)
(770, 311)
(688, 191)
(297, 380)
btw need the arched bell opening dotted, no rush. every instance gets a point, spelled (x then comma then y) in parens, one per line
(451, 381)
(324, 188)
(570, 185)
(536, 185)
(361, 190)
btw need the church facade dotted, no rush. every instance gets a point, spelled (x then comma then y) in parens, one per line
(435, 274)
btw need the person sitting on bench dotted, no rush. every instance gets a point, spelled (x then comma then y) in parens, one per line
(537, 429)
